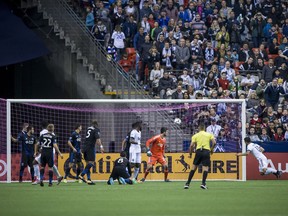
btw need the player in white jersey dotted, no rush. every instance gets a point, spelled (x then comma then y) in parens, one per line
(37, 160)
(257, 152)
(135, 150)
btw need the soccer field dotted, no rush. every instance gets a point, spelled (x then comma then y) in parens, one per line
(149, 198)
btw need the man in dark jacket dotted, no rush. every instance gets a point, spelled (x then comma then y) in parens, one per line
(165, 83)
(272, 93)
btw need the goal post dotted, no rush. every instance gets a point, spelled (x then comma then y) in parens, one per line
(115, 118)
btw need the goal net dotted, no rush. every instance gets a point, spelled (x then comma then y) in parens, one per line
(115, 118)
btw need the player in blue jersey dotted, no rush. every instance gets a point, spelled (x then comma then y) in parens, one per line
(28, 141)
(75, 155)
(121, 170)
(47, 142)
(89, 150)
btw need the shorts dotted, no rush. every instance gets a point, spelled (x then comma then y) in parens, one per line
(154, 159)
(89, 154)
(75, 157)
(263, 164)
(119, 172)
(27, 160)
(135, 157)
(202, 157)
(47, 158)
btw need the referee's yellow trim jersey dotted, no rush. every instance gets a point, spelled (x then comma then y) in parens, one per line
(202, 139)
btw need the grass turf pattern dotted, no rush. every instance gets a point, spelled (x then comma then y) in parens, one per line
(149, 198)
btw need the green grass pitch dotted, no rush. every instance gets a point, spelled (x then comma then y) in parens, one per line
(149, 198)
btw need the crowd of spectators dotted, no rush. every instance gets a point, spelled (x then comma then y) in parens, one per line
(203, 49)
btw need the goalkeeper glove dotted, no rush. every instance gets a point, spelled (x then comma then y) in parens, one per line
(149, 153)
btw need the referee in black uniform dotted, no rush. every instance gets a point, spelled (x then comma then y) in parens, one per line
(202, 140)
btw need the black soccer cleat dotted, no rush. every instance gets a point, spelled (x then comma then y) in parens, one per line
(82, 179)
(143, 180)
(167, 180)
(204, 187)
(186, 186)
(50, 184)
(59, 180)
(278, 174)
(41, 184)
(89, 182)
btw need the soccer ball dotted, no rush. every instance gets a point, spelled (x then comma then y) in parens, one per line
(177, 121)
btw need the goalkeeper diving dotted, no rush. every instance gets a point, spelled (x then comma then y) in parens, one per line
(156, 153)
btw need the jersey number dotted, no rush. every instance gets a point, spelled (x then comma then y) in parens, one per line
(47, 143)
(120, 160)
(88, 133)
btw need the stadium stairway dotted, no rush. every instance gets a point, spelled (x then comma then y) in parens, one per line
(69, 27)
(114, 80)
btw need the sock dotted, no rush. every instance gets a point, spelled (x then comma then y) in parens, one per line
(78, 171)
(204, 177)
(55, 170)
(136, 171)
(87, 168)
(50, 176)
(270, 170)
(32, 173)
(41, 174)
(67, 171)
(36, 171)
(89, 175)
(21, 170)
(191, 174)
(146, 173)
(165, 174)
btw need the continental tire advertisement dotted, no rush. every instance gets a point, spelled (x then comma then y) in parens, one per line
(223, 166)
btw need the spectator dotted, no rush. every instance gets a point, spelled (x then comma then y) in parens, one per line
(154, 56)
(245, 52)
(186, 78)
(247, 82)
(182, 55)
(118, 18)
(281, 59)
(171, 10)
(223, 82)
(212, 32)
(272, 93)
(260, 89)
(165, 84)
(118, 38)
(155, 31)
(279, 136)
(230, 71)
(178, 94)
(89, 18)
(99, 31)
(253, 136)
(263, 52)
(197, 81)
(164, 19)
(155, 75)
(222, 37)
(125, 63)
(274, 46)
(257, 25)
(145, 10)
(213, 128)
(268, 70)
(144, 55)
(210, 56)
(210, 84)
(263, 136)
(247, 66)
(130, 30)
(145, 24)
(198, 24)
(131, 10)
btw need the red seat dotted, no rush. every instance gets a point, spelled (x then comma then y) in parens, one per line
(273, 56)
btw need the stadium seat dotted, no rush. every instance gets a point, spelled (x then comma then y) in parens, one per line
(273, 56)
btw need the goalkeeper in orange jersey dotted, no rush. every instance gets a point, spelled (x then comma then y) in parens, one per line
(156, 153)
